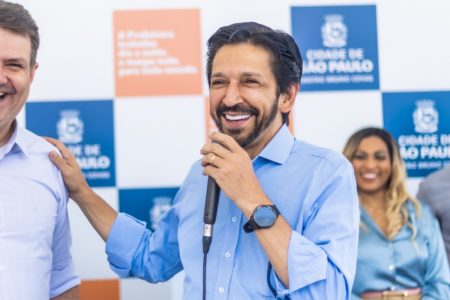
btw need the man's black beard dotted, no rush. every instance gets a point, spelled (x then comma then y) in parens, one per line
(259, 128)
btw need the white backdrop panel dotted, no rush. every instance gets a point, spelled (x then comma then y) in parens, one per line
(157, 139)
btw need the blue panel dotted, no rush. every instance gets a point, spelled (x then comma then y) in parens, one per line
(420, 121)
(86, 127)
(147, 204)
(339, 47)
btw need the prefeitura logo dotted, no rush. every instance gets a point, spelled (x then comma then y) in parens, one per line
(70, 127)
(334, 31)
(414, 120)
(339, 46)
(426, 117)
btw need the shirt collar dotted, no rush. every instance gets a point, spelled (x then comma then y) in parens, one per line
(279, 148)
(16, 143)
(404, 233)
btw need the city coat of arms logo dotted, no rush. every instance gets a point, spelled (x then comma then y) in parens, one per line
(426, 117)
(334, 31)
(70, 127)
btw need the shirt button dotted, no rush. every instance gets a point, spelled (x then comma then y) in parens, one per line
(391, 267)
(221, 290)
(234, 219)
(227, 254)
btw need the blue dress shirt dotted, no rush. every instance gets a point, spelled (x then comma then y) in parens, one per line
(402, 263)
(35, 261)
(315, 191)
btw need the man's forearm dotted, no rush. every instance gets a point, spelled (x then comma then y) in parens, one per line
(98, 212)
(275, 242)
(71, 294)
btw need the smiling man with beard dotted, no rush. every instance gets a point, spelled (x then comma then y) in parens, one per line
(287, 223)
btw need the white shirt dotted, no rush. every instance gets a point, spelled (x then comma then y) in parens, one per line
(35, 259)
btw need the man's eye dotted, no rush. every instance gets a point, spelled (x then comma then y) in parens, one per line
(217, 82)
(15, 65)
(250, 81)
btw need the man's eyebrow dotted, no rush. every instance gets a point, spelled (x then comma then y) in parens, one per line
(251, 74)
(218, 74)
(16, 60)
(245, 74)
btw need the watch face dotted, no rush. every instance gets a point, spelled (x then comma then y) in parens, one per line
(264, 216)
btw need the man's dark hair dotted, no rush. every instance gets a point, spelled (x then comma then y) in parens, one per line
(16, 18)
(286, 64)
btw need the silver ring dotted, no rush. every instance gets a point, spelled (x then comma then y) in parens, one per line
(211, 161)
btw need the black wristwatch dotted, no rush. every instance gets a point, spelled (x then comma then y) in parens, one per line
(264, 216)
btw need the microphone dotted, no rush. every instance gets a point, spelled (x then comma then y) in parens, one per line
(209, 216)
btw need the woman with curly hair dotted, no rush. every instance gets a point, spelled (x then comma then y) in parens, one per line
(400, 254)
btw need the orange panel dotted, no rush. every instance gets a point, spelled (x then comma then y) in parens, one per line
(157, 52)
(99, 290)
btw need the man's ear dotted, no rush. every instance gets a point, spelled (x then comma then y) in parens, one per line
(287, 99)
(33, 71)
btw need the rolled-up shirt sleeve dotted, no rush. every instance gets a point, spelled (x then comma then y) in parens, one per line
(134, 251)
(120, 253)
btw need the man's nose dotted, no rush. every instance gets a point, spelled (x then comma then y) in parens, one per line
(233, 95)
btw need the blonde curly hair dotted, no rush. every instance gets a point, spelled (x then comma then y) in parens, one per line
(396, 193)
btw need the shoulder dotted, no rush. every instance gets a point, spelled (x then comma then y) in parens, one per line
(436, 177)
(319, 157)
(434, 188)
(320, 170)
(196, 168)
(194, 175)
(426, 216)
(35, 144)
(37, 150)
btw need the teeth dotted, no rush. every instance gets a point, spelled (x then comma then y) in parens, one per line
(369, 175)
(236, 117)
(1, 94)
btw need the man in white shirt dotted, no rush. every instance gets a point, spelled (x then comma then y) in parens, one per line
(35, 259)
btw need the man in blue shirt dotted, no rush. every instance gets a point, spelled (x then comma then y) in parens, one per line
(35, 260)
(288, 217)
